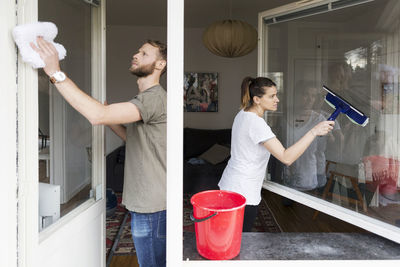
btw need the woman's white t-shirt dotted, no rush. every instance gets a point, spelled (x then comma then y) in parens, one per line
(247, 166)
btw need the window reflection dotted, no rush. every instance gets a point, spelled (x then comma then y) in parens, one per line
(358, 58)
(65, 137)
(306, 173)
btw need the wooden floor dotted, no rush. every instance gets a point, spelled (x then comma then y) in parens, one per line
(294, 218)
(298, 218)
(124, 261)
(76, 200)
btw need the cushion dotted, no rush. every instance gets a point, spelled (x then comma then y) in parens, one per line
(197, 141)
(216, 154)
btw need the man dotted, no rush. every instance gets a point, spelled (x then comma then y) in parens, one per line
(144, 193)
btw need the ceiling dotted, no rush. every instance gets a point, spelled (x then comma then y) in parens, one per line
(201, 13)
(198, 13)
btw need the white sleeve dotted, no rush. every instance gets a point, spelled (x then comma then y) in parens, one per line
(260, 132)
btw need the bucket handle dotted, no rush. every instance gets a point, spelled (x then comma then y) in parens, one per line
(201, 220)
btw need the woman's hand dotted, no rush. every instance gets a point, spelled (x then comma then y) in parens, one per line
(322, 128)
(289, 155)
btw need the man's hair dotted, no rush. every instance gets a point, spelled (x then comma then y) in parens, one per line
(162, 49)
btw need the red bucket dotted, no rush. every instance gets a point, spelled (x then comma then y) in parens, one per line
(218, 217)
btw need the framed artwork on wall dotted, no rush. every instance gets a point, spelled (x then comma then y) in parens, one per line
(201, 92)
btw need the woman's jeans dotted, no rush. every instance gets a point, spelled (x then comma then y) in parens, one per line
(250, 215)
(149, 237)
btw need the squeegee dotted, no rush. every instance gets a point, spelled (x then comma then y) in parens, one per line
(342, 106)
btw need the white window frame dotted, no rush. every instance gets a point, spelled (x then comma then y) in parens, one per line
(373, 225)
(29, 237)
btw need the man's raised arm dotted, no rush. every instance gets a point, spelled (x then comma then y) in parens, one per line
(89, 107)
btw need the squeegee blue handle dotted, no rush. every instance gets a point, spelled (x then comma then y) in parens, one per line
(335, 114)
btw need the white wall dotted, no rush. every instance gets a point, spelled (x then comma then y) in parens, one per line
(231, 72)
(121, 85)
(122, 43)
(8, 156)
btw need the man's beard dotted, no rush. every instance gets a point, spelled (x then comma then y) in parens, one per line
(143, 71)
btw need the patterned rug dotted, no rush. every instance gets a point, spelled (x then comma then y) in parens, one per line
(265, 222)
(113, 225)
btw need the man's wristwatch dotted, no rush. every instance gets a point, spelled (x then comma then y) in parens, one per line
(58, 77)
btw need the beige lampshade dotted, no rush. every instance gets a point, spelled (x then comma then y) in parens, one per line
(230, 38)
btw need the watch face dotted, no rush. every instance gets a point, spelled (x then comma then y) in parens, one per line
(60, 76)
(57, 77)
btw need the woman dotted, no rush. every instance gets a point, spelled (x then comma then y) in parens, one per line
(253, 142)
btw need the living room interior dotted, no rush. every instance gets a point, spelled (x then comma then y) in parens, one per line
(202, 129)
(135, 25)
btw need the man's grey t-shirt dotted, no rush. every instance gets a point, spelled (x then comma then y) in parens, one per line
(145, 161)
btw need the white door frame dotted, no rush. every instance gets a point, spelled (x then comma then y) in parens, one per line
(64, 241)
(28, 235)
(175, 133)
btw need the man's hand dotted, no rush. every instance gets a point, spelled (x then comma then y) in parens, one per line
(49, 55)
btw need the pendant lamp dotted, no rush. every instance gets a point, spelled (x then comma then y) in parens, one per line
(230, 38)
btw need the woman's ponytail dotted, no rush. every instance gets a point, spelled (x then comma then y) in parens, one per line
(245, 101)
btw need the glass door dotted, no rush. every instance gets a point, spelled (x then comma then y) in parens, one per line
(60, 155)
(351, 47)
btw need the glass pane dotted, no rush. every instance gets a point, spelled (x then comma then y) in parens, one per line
(65, 137)
(354, 52)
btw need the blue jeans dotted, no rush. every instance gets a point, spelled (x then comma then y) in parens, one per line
(149, 237)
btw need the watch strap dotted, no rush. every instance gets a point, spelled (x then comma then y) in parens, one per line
(53, 80)
(55, 77)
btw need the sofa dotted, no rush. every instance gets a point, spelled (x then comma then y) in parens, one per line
(205, 155)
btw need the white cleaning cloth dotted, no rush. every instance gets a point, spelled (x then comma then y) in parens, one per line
(26, 33)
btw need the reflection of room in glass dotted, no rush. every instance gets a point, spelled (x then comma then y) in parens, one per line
(65, 137)
(342, 50)
(357, 58)
(44, 129)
